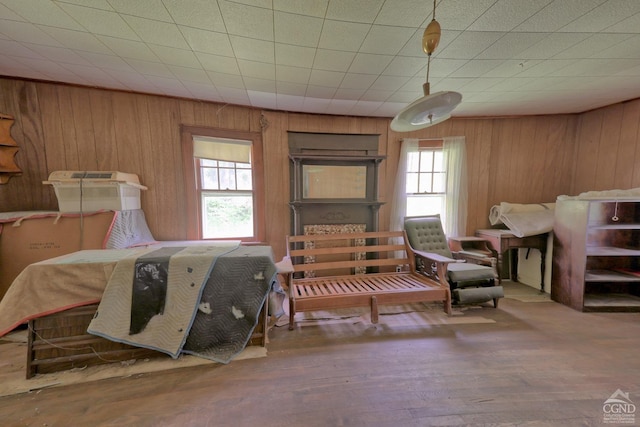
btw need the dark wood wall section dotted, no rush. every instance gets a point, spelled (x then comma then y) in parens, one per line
(519, 160)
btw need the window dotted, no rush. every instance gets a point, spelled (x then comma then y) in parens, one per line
(223, 186)
(426, 182)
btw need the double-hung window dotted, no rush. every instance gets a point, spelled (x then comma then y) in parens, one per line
(426, 181)
(225, 200)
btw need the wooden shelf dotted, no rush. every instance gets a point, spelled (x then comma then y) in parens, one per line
(609, 276)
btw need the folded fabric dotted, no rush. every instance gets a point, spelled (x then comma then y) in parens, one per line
(524, 219)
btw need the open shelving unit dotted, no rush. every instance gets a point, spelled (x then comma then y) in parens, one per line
(596, 264)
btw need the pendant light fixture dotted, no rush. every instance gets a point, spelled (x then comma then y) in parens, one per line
(431, 108)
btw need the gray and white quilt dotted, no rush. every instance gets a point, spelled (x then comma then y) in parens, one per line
(200, 300)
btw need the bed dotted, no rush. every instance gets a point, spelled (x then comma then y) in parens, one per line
(236, 287)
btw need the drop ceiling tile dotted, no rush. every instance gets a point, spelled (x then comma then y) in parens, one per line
(403, 97)
(505, 15)
(207, 41)
(106, 61)
(292, 74)
(543, 68)
(386, 40)
(324, 92)
(301, 30)
(163, 82)
(510, 45)
(96, 4)
(247, 21)
(203, 14)
(480, 84)
(261, 99)
(326, 78)
(173, 56)
(458, 14)
(552, 45)
(604, 16)
(288, 88)
(592, 46)
(333, 60)
(223, 81)
(367, 107)
(259, 85)
(477, 68)
(251, 49)
(259, 70)
(12, 67)
(221, 64)
(390, 109)
(203, 91)
(186, 74)
(348, 36)
(597, 67)
(629, 25)
(87, 73)
(340, 106)
(511, 67)
(234, 95)
(129, 48)
(405, 66)
(316, 105)
(449, 84)
(79, 40)
(295, 56)
(58, 54)
(557, 14)
(176, 91)
(100, 21)
(10, 15)
(364, 11)
(357, 81)
(388, 83)
(13, 48)
(365, 63)
(377, 95)
(150, 68)
(27, 33)
(289, 102)
(404, 13)
(317, 8)
(156, 32)
(469, 44)
(42, 12)
(150, 9)
(629, 48)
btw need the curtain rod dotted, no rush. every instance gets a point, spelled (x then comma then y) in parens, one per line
(426, 139)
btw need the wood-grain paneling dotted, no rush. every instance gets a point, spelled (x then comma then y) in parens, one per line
(519, 160)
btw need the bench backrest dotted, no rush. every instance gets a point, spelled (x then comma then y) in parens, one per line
(348, 253)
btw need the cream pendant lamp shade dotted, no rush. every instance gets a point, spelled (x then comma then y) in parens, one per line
(431, 108)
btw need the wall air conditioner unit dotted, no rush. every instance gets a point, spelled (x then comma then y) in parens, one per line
(89, 191)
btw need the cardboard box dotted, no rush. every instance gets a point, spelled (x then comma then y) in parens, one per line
(36, 238)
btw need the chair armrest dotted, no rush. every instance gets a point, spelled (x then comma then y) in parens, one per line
(285, 266)
(440, 262)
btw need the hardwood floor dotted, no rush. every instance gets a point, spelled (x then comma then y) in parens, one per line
(538, 364)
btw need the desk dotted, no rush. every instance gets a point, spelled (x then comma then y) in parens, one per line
(504, 240)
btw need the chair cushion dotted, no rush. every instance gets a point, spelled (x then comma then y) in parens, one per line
(464, 272)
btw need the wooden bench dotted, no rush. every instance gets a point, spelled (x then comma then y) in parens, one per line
(356, 270)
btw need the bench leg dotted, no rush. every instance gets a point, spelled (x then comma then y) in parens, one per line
(374, 310)
(292, 313)
(447, 303)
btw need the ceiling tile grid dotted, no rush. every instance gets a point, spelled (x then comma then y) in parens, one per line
(356, 57)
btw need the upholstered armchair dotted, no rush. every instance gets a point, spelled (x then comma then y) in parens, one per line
(469, 281)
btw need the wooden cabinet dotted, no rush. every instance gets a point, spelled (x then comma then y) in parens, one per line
(596, 263)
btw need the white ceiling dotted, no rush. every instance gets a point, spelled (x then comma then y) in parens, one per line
(346, 57)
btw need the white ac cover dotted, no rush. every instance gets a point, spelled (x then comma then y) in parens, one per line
(90, 191)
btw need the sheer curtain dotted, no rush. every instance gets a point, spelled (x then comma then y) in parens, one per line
(455, 214)
(399, 200)
(455, 154)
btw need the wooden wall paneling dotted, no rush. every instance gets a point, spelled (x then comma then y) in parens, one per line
(10, 199)
(164, 147)
(608, 148)
(127, 134)
(82, 136)
(559, 165)
(67, 121)
(150, 199)
(93, 121)
(275, 150)
(500, 189)
(479, 145)
(521, 173)
(539, 150)
(588, 144)
(187, 112)
(29, 192)
(52, 128)
(627, 151)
